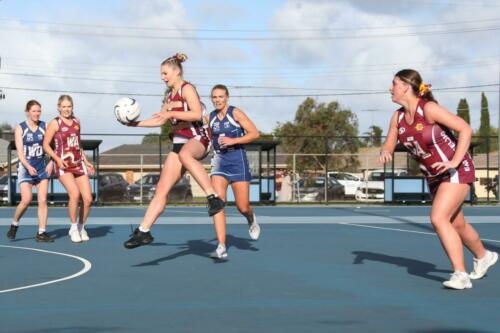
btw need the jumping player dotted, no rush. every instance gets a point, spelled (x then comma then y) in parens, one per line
(72, 167)
(183, 108)
(424, 128)
(32, 170)
(231, 129)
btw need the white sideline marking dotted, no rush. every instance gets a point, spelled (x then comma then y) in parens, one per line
(86, 267)
(404, 230)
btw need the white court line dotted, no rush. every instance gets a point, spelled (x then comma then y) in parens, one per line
(86, 267)
(404, 230)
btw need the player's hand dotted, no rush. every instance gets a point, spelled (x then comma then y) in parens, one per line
(385, 157)
(91, 168)
(32, 171)
(442, 167)
(61, 163)
(49, 168)
(227, 141)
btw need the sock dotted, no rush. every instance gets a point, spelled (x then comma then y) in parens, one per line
(249, 217)
(74, 227)
(211, 196)
(142, 229)
(221, 246)
(41, 231)
(16, 224)
(81, 226)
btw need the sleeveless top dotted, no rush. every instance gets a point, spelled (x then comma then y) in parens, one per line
(226, 126)
(195, 129)
(33, 145)
(67, 142)
(430, 143)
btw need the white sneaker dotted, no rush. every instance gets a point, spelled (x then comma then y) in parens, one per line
(254, 229)
(84, 235)
(219, 253)
(482, 265)
(75, 236)
(458, 280)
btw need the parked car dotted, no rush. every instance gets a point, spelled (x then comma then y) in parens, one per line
(112, 187)
(4, 189)
(373, 188)
(350, 181)
(311, 190)
(181, 192)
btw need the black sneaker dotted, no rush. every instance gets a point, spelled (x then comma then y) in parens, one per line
(138, 238)
(43, 237)
(11, 234)
(215, 204)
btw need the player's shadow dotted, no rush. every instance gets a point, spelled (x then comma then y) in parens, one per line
(413, 266)
(200, 248)
(93, 232)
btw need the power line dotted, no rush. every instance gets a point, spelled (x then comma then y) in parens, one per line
(103, 26)
(381, 92)
(263, 39)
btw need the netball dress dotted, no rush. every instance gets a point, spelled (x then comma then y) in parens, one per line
(431, 143)
(229, 162)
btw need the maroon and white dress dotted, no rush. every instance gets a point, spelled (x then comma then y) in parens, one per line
(196, 129)
(68, 148)
(430, 143)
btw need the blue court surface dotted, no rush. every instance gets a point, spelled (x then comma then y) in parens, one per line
(315, 269)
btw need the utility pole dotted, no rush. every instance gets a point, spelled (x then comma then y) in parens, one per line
(2, 95)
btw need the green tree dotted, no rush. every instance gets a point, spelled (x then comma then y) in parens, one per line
(484, 132)
(463, 110)
(151, 138)
(320, 129)
(373, 136)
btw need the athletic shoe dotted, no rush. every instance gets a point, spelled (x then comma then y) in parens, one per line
(482, 265)
(75, 235)
(458, 280)
(138, 238)
(44, 238)
(215, 204)
(254, 229)
(11, 234)
(219, 253)
(84, 235)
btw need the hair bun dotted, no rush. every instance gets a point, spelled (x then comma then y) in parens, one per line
(180, 57)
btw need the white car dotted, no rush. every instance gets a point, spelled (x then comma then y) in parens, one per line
(350, 181)
(373, 188)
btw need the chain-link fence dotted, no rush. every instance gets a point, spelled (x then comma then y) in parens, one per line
(308, 169)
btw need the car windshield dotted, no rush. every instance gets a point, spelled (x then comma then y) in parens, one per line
(3, 180)
(148, 180)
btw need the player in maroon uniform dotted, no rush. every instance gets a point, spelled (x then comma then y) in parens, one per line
(72, 167)
(424, 128)
(183, 108)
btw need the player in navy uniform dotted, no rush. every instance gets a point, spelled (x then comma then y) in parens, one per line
(32, 170)
(231, 129)
(424, 128)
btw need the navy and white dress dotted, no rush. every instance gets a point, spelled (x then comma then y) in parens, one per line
(34, 154)
(229, 162)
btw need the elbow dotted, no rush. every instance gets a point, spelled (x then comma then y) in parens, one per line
(256, 136)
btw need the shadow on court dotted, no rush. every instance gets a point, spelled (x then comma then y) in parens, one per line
(199, 247)
(414, 267)
(94, 232)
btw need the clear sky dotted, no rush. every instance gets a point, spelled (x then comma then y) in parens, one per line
(271, 54)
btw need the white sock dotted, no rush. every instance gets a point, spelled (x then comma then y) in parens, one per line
(14, 223)
(222, 246)
(81, 226)
(41, 231)
(142, 229)
(74, 227)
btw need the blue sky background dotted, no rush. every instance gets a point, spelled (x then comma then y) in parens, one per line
(316, 47)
